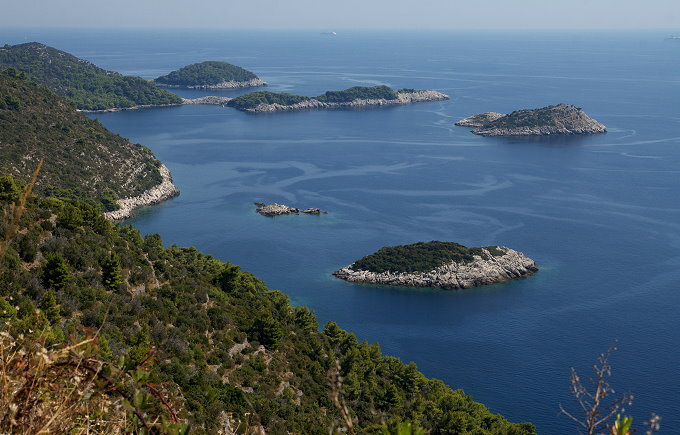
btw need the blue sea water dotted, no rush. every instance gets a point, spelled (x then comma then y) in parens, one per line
(600, 214)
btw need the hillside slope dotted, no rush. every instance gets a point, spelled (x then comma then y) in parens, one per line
(82, 159)
(81, 82)
(236, 352)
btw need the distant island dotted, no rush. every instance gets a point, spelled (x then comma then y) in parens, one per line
(274, 209)
(560, 119)
(210, 75)
(355, 97)
(84, 84)
(435, 264)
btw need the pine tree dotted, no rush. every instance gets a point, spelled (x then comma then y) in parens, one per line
(112, 277)
(55, 273)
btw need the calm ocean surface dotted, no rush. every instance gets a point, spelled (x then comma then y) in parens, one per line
(600, 214)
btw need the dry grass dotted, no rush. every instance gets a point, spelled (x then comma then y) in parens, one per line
(13, 212)
(55, 391)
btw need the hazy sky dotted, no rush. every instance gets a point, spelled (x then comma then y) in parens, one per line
(344, 14)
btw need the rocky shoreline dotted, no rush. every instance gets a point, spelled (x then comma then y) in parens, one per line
(560, 119)
(271, 210)
(210, 100)
(313, 103)
(163, 191)
(120, 109)
(452, 276)
(230, 84)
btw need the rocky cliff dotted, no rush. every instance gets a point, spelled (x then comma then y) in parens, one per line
(157, 194)
(560, 119)
(313, 103)
(504, 264)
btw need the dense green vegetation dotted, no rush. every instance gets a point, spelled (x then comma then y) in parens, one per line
(419, 257)
(69, 272)
(359, 93)
(206, 74)
(80, 82)
(82, 159)
(549, 116)
(253, 99)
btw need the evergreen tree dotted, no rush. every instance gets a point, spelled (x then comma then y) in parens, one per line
(9, 189)
(55, 273)
(48, 304)
(112, 277)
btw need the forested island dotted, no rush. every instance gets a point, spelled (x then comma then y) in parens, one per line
(560, 119)
(82, 159)
(210, 75)
(81, 82)
(355, 97)
(435, 264)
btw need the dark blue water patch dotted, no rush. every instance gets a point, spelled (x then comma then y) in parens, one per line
(600, 214)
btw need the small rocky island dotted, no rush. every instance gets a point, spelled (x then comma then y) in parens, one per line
(355, 97)
(435, 264)
(560, 119)
(275, 209)
(210, 75)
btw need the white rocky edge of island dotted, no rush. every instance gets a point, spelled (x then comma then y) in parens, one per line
(210, 99)
(229, 84)
(313, 103)
(452, 276)
(159, 193)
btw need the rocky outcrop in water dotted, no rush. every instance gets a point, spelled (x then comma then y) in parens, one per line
(163, 191)
(313, 103)
(560, 119)
(488, 268)
(275, 209)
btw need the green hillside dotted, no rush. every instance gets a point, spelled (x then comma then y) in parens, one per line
(81, 158)
(81, 82)
(223, 345)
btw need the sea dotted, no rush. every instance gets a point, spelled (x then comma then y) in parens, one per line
(600, 214)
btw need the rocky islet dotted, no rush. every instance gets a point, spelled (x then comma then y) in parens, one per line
(560, 119)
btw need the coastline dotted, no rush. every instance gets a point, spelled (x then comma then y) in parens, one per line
(403, 98)
(230, 84)
(157, 194)
(452, 276)
(120, 109)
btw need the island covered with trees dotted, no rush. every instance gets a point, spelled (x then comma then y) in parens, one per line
(81, 82)
(210, 75)
(355, 97)
(82, 159)
(436, 264)
(560, 119)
